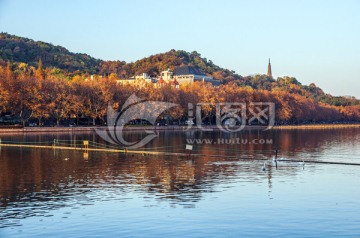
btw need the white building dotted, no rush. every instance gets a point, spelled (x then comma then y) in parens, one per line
(167, 75)
(143, 76)
(181, 75)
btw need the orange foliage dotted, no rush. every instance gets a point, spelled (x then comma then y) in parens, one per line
(45, 95)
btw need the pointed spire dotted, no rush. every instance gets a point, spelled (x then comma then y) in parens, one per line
(269, 73)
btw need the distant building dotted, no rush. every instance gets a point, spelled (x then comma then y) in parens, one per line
(160, 83)
(181, 75)
(175, 83)
(269, 73)
(144, 76)
(190, 74)
(141, 80)
(130, 81)
(167, 75)
(349, 97)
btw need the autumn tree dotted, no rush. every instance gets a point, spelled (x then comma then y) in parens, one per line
(59, 97)
(4, 92)
(40, 73)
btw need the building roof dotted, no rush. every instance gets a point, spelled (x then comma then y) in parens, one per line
(186, 70)
(214, 82)
(160, 81)
(175, 82)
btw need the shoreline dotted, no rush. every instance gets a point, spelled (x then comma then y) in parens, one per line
(172, 128)
(127, 129)
(315, 126)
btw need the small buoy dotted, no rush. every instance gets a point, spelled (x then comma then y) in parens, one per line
(264, 167)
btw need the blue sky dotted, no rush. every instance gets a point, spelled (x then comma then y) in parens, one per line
(314, 41)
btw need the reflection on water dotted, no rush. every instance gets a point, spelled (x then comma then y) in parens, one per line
(39, 183)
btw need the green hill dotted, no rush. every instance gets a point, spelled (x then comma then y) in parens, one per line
(19, 49)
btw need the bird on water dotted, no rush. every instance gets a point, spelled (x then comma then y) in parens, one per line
(264, 168)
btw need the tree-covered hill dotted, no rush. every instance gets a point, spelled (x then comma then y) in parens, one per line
(19, 49)
(154, 64)
(45, 82)
(23, 50)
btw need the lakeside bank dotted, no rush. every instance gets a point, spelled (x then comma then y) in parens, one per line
(315, 126)
(129, 128)
(171, 128)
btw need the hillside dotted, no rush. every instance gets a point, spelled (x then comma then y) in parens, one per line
(59, 89)
(19, 49)
(154, 64)
(23, 50)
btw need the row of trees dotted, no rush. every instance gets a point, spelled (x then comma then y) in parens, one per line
(41, 94)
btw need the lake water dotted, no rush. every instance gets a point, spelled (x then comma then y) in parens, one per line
(62, 193)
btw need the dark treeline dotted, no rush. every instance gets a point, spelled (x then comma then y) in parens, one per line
(47, 94)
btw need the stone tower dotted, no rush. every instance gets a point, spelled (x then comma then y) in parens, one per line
(269, 74)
